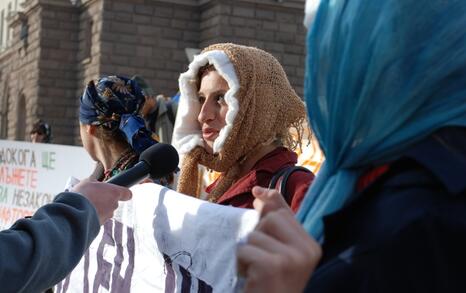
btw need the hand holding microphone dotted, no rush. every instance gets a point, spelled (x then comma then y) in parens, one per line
(155, 162)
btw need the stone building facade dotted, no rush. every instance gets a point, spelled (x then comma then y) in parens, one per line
(7, 7)
(58, 45)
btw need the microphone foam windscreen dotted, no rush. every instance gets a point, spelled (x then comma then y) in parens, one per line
(162, 158)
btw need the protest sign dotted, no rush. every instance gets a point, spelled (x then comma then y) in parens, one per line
(32, 174)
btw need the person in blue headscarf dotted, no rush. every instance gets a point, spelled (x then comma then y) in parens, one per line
(111, 129)
(385, 88)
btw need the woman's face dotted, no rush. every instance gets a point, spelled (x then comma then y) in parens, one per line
(37, 137)
(213, 107)
(87, 140)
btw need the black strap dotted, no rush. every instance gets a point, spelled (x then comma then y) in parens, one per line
(282, 176)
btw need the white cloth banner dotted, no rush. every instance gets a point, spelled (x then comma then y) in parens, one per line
(163, 241)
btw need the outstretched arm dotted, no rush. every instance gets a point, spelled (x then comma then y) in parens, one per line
(38, 252)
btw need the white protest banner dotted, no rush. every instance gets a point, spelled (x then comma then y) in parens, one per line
(32, 174)
(163, 241)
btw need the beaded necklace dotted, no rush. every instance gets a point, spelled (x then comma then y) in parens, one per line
(127, 159)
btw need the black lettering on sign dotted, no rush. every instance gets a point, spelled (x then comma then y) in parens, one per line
(187, 279)
(109, 273)
(30, 199)
(16, 157)
(33, 164)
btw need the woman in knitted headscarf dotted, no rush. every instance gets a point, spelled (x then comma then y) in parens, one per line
(386, 95)
(236, 109)
(111, 130)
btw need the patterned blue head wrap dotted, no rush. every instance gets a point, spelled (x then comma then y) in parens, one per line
(114, 103)
(381, 75)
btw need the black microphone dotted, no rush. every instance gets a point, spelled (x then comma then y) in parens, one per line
(156, 161)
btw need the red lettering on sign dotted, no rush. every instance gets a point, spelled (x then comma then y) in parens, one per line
(20, 177)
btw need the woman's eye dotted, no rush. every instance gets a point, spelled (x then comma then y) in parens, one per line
(201, 100)
(220, 99)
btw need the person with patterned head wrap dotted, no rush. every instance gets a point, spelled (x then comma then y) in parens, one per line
(111, 129)
(235, 113)
(386, 96)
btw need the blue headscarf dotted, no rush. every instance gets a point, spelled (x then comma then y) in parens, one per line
(381, 75)
(114, 103)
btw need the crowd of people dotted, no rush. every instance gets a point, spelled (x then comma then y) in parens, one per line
(385, 97)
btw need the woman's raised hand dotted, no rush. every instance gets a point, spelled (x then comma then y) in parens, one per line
(279, 255)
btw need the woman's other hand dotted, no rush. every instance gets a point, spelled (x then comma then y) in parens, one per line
(279, 255)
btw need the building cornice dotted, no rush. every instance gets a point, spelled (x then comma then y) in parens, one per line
(31, 5)
(296, 4)
(192, 3)
(61, 3)
(292, 4)
(17, 18)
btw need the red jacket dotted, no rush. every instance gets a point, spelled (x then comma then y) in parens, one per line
(239, 194)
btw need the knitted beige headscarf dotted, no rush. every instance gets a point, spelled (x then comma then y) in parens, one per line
(262, 106)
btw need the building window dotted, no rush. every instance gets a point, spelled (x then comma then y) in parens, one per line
(88, 41)
(4, 115)
(21, 118)
(7, 28)
(2, 27)
(23, 35)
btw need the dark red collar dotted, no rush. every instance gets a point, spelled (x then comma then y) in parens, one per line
(371, 176)
(270, 163)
